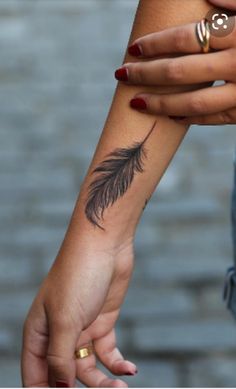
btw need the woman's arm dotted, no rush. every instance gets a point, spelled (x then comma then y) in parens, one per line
(80, 299)
(122, 129)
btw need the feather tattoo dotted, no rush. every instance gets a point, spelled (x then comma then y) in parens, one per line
(116, 174)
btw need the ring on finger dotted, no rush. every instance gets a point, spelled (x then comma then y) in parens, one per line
(203, 34)
(84, 351)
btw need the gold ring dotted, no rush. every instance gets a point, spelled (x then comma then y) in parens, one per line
(203, 34)
(84, 351)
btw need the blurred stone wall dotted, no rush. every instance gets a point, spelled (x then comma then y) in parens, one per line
(56, 85)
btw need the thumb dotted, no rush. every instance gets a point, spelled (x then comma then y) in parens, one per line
(63, 337)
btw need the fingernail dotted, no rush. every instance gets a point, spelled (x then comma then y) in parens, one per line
(135, 50)
(61, 384)
(121, 74)
(131, 373)
(177, 117)
(138, 103)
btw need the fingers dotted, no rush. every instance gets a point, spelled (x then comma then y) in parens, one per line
(34, 370)
(110, 356)
(189, 69)
(201, 102)
(230, 4)
(90, 375)
(63, 337)
(180, 39)
(221, 118)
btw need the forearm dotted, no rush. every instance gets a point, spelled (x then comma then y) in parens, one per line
(110, 208)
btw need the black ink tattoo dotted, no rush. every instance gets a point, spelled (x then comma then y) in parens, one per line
(117, 173)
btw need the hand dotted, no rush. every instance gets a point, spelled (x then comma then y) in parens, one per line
(206, 105)
(78, 302)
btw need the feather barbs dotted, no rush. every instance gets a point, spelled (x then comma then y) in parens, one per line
(116, 175)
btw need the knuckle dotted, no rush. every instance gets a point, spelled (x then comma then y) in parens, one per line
(124, 270)
(173, 70)
(197, 105)
(62, 322)
(63, 317)
(180, 39)
(29, 331)
(150, 44)
(137, 73)
(163, 105)
(56, 362)
(26, 326)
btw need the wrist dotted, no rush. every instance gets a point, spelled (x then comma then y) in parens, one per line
(82, 235)
(118, 226)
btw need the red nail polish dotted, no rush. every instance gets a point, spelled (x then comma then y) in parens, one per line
(138, 103)
(135, 50)
(121, 74)
(61, 384)
(177, 117)
(130, 373)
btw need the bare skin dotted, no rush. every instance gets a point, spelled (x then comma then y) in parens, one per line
(204, 106)
(230, 4)
(80, 298)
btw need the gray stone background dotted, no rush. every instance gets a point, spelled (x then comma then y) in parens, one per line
(56, 85)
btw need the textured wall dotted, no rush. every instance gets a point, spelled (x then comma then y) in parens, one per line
(56, 85)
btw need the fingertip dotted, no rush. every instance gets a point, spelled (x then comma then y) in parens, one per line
(138, 103)
(121, 74)
(131, 368)
(135, 50)
(62, 384)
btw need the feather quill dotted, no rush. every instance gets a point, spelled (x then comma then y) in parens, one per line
(116, 175)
